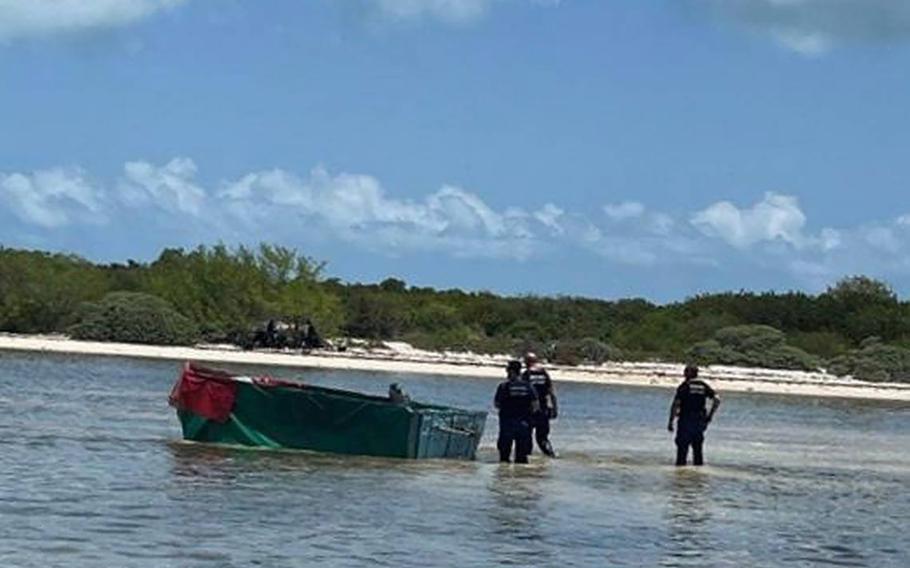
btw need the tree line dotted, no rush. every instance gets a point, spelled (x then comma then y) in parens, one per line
(858, 326)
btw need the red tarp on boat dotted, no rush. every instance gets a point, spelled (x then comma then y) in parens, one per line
(205, 392)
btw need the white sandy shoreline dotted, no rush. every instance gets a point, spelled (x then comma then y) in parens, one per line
(403, 359)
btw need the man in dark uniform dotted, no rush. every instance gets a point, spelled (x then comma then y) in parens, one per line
(538, 377)
(517, 402)
(689, 407)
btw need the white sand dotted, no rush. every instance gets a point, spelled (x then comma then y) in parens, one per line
(401, 358)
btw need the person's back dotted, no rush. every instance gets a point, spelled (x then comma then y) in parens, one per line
(692, 395)
(692, 416)
(517, 401)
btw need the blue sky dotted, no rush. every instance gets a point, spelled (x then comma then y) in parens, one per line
(611, 148)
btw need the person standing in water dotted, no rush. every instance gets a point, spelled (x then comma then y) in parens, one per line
(537, 376)
(517, 403)
(692, 420)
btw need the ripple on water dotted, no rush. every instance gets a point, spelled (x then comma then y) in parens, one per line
(100, 479)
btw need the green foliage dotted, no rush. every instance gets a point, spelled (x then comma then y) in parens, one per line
(751, 346)
(823, 344)
(40, 292)
(226, 291)
(874, 361)
(133, 317)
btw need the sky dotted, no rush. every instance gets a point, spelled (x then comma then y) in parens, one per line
(655, 148)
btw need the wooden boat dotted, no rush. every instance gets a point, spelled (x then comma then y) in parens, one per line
(217, 407)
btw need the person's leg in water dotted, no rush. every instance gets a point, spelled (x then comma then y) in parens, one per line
(683, 441)
(542, 434)
(697, 446)
(523, 443)
(504, 443)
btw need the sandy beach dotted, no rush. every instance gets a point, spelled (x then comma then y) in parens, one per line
(401, 358)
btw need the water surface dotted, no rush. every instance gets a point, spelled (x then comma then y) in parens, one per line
(93, 473)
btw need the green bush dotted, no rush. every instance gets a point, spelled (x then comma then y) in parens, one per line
(751, 346)
(874, 361)
(132, 317)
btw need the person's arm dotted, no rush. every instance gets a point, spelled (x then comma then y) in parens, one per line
(554, 404)
(498, 397)
(674, 412)
(535, 401)
(715, 404)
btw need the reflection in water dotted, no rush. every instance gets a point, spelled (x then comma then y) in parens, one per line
(518, 513)
(689, 516)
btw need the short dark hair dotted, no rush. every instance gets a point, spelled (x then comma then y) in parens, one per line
(514, 366)
(691, 371)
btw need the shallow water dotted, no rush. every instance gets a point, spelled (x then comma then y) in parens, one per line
(93, 473)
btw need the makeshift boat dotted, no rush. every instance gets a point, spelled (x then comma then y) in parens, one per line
(216, 407)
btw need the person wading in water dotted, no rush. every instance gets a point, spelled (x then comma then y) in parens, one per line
(517, 403)
(538, 378)
(689, 408)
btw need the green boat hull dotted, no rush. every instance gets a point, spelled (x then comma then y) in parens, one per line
(328, 420)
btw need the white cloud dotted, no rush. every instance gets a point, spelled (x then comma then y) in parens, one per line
(170, 187)
(167, 203)
(624, 210)
(549, 216)
(52, 198)
(775, 218)
(812, 27)
(34, 18)
(453, 11)
(357, 208)
(446, 11)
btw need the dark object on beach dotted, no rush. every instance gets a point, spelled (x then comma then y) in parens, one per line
(276, 334)
(217, 407)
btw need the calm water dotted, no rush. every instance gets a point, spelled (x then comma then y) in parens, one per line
(92, 473)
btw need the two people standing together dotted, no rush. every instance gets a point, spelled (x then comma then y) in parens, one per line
(527, 402)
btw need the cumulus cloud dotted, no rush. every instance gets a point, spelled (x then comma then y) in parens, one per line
(36, 18)
(812, 27)
(52, 198)
(774, 218)
(357, 208)
(170, 186)
(167, 202)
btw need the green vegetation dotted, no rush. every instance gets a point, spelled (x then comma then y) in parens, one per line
(752, 346)
(133, 317)
(874, 361)
(218, 292)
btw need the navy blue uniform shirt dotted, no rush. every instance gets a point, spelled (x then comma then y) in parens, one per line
(538, 378)
(515, 400)
(692, 395)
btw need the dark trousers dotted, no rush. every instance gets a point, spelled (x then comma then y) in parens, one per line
(517, 432)
(541, 425)
(690, 435)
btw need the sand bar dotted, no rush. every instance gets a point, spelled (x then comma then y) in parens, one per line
(401, 358)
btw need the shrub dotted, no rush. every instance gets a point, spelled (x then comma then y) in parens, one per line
(131, 317)
(874, 361)
(751, 346)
